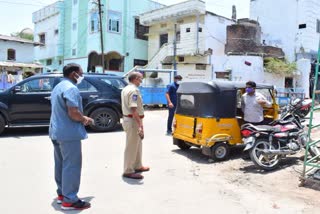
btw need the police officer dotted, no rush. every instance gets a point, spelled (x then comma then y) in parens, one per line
(171, 96)
(133, 126)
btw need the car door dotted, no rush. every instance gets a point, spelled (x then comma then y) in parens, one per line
(88, 92)
(30, 102)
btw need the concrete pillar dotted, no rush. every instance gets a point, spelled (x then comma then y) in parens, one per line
(304, 67)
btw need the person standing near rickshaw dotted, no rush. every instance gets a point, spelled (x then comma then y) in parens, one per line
(252, 104)
(171, 96)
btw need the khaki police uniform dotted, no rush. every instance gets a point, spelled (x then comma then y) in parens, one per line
(131, 97)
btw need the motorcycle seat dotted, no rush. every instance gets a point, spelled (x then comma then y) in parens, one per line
(267, 128)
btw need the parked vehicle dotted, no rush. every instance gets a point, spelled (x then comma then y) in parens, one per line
(28, 102)
(209, 115)
(300, 107)
(267, 145)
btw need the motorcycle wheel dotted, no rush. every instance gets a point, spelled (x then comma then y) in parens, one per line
(263, 161)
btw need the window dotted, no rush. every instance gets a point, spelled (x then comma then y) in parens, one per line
(60, 62)
(140, 30)
(56, 32)
(114, 82)
(74, 26)
(38, 85)
(94, 22)
(140, 62)
(11, 54)
(187, 101)
(114, 21)
(74, 52)
(85, 86)
(201, 66)
(318, 26)
(49, 62)
(301, 26)
(200, 29)
(181, 59)
(188, 30)
(178, 36)
(42, 38)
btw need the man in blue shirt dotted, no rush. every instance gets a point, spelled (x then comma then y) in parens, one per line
(66, 132)
(171, 96)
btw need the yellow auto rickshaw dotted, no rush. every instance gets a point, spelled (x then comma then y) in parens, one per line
(209, 116)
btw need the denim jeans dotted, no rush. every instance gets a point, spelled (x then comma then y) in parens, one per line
(170, 118)
(67, 170)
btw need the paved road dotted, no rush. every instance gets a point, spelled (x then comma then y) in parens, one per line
(179, 182)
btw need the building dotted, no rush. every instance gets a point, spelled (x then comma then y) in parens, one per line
(70, 31)
(184, 36)
(49, 31)
(293, 26)
(16, 58)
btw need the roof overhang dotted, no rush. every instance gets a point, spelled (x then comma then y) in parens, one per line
(173, 12)
(20, 65)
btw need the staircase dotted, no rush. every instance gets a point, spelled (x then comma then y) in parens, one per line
(162, 53)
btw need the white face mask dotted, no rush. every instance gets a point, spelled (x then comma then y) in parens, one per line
(79, 79)
(179, 81)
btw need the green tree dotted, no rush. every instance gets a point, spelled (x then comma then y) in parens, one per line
(23, 35)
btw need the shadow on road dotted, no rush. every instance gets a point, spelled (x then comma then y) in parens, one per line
(57, 207)
(284, 163)
(40, 131)
(196, 155)
(133, 181)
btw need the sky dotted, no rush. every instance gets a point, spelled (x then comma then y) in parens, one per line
(16, 15)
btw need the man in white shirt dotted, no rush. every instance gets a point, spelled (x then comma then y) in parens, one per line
(252, 104)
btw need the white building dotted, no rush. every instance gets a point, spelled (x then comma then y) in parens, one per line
(293, 26)
(48, 30)
(197, 33)
(16, 57)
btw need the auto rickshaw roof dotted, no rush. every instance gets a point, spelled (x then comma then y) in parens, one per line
(216, 86)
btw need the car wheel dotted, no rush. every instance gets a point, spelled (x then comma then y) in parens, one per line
(220, 151)
(2, 124)
(181, 144)
(105, 119)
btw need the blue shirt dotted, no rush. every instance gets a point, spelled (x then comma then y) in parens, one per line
(62, 127)
(172, 91)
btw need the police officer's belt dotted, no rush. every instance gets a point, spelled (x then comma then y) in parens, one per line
(130, 115)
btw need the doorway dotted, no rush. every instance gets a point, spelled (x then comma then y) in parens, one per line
(163, 39)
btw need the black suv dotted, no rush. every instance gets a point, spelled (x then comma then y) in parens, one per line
(28, 102)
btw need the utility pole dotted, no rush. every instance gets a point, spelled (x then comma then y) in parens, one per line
(101, 34)
(175, 49)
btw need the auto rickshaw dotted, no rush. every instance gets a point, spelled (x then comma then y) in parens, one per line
(209, 115)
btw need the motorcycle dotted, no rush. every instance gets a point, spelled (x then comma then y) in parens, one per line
(268, 144)
(300, 107)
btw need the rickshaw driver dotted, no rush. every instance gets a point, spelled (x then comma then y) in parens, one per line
(252, 104)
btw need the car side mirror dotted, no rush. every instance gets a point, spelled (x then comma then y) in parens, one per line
(17, 89)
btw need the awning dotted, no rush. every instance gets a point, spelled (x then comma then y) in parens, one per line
(18, 64)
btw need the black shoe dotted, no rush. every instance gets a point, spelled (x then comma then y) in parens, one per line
(79, 205)
(169, 133)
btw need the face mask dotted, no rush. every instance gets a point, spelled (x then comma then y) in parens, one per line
(79, 79)
(179, 81)
(249, 90)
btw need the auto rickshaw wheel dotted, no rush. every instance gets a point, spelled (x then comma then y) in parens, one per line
(220, 151)
(181, 144)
